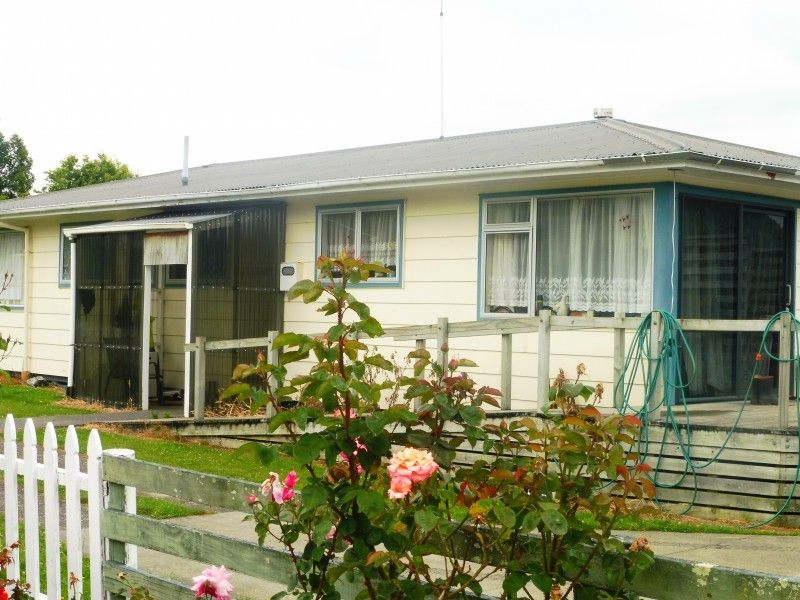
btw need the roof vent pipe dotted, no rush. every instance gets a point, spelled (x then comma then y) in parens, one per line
(185, 174)
(603, 113)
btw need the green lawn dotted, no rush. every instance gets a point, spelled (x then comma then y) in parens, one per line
(23, 401)
(679, 524)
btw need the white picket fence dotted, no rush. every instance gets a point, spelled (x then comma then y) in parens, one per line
(53, 476)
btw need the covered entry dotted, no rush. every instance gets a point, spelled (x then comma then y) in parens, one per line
(229, 291)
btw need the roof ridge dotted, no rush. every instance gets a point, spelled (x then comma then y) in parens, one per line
(400, 144)
(663, 143)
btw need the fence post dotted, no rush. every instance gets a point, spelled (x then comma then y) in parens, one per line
(657, 386)
(274, 358)
(505, 371)
(30, 455)
(94, 471)
(784, 352)
(120, 497)
(199, 379)
(420, 345)
(442, 343)
(619, 363)
(52, 540)
(543, 377)
(72, 502)
(11, 492)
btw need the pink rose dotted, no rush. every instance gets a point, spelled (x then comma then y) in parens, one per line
(399, 488)
(213, 582)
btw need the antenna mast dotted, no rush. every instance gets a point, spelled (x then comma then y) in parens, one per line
(441, 68)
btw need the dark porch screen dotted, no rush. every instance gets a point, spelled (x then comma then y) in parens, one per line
(108, 318)
(236, 263)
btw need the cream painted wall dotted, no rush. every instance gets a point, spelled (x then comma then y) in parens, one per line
(440, 252)
(440, 271)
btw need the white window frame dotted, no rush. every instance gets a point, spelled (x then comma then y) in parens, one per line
(16, 303)
(65, 283)
(530, 227)
(358, 210)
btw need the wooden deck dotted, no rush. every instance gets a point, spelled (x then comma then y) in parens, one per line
(754, 417)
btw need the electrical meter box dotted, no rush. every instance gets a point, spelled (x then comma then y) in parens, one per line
(290, 274)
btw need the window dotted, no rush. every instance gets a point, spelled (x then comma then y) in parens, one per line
(176, 276)
(370, 232)
(594, 250)
(65, 254)
(12, 267)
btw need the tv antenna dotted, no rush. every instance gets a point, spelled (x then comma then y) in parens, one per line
(441, 69)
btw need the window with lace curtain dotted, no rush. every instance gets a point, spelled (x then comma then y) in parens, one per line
(370, 232)
(12, 267)
(592, 250)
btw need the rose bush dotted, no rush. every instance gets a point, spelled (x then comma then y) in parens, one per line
(381, 500)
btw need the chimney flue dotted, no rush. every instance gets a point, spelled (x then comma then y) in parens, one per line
(185, 174)
(603, 113)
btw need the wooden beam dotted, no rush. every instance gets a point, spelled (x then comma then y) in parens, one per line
(147, 304)
(784, 372)
(505, 370)
(543, 375)
(200, 379)
(619, 364)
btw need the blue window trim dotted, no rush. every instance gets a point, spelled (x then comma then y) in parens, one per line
(485, 199)
(397, 280)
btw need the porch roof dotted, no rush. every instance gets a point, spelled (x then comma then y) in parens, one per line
(152, 223)
(582, 145)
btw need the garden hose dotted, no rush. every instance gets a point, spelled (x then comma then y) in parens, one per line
(670, 371)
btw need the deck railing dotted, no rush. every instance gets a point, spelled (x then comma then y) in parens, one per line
(544, 325)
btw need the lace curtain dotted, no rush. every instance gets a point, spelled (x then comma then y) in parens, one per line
(375, 243)
(12, 263)
(597, 251)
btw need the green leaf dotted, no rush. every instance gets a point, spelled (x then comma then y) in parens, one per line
(338, 383)
(426, 519)
(380, 362)
(289, 339)
(472, 415)
(314, 495)
(465, 362)
(335, 332)
(371, 327)
(555, 521)
(308, 447)
(235, 389)
(514, 582)
(299, 288)
(370, 502)
(505, 515)
(321, 530)
(313, 292)
(530, 521)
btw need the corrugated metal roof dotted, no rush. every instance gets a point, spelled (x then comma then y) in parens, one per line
(598, 139)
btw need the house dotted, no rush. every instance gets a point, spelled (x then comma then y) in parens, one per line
(602, 215)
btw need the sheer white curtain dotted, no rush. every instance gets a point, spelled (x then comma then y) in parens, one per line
(379, 237)
(338, 234)
(597, 251)
(507, 272)
(12, 264)
(507, 269)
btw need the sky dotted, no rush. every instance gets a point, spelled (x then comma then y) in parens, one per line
(250, 80)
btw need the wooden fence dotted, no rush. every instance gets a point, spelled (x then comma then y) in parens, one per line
(669, 579)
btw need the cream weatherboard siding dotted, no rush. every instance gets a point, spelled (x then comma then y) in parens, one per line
(440, 279)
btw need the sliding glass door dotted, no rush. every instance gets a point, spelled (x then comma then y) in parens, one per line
(734, 265)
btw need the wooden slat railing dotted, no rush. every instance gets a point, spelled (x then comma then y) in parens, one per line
(668, 579)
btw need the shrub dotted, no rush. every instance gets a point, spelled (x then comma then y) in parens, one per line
(381, 491)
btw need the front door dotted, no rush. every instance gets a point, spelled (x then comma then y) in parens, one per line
(734, 265)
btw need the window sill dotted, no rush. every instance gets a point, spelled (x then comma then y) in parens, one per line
(14, 307)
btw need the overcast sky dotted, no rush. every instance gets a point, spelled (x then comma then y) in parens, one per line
(269, 78)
